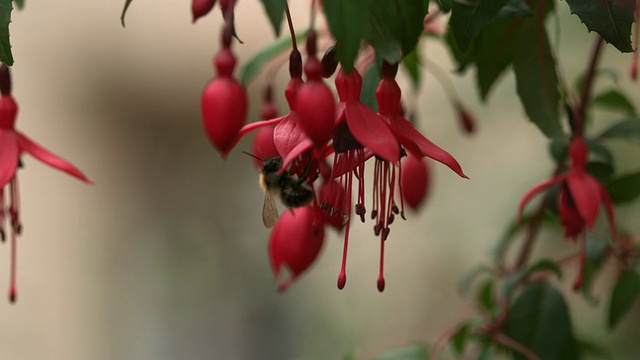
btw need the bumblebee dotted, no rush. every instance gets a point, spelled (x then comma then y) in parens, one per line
(293, 192)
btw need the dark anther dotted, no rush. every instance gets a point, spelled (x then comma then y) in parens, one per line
(295, 64)
(329, 62)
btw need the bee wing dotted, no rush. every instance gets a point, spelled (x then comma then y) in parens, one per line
(269, 210)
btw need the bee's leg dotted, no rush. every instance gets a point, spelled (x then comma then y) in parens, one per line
(305, 173)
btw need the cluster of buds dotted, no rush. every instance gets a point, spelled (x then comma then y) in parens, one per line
(324, 145)
(12, 144)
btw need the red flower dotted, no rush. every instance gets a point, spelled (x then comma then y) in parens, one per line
(224, 101)
(580, 195)
(295, 242)
(415, 179)
(359, 134)
(201, 8)
(12, 144)
(314, 102)
(388, 95)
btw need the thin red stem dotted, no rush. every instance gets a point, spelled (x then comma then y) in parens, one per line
(585, 94)
(294, 41)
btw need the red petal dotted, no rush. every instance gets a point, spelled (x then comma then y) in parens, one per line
(48, 158)
(290, 139)
(8, 156)
(570, 218)
(372, 131)
(412, 138)
(585, 191)
(534, 190)
(295, 240)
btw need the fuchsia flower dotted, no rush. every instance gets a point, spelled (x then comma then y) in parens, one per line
(295, 242)
(12, 144)
(388, 95)
(289, 139)
(580, 194)
(359, 128)
(314, 101)
(224, 100)
(415, 179)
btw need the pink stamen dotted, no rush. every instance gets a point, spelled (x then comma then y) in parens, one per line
(400, 191)
(2, 216)
(381, 281)
(342, 277)
(16, 228)
(12, 286)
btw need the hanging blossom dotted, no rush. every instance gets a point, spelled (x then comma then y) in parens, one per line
(359, 134)
(578, 201)
(295, 242)
(580, 194)
(224, 101)
(12, 144)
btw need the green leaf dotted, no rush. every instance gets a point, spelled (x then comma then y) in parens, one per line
(257, 62)
(610, 18)
(462, 59)
(487, 353)
(494, 52)
(539, 319)
(610, 73)
(600, 170)
(395, 27)
(5, 18)
(348, 22)
(275, 12)
(593, 349)
(485, 295)
(370, 81)
(19, 4)
(445, 5)
(468, 19)
(409, 352)
(124, 10)
(597, 245)
(411, 63)
(614, 100)
(459, 339)
(627, 129)
(625, 293)
(559, 149)
(625, 188)
(536, 78)
(596, 148)
(515, 8)
(513, 229)
(472, 276)
(512, 282)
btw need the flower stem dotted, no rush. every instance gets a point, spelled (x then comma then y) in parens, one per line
(585, 93)
(294, 42)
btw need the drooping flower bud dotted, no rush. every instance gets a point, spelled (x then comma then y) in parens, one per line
(315, 103)
(295, 242)
(224, 104)
(415, 180)
(200, 8)
(467, 122)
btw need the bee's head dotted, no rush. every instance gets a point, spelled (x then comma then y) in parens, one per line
(272, 164)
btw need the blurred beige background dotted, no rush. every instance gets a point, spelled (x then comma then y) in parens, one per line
(165, 256)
